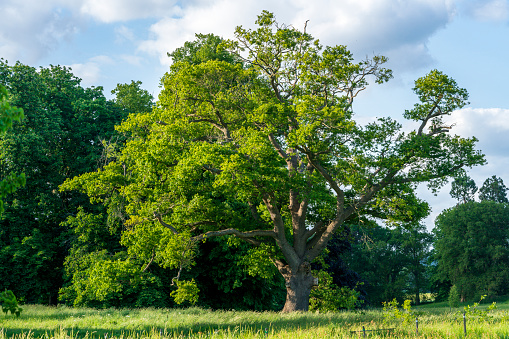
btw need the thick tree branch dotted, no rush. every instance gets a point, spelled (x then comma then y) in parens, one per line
(168, 226)
(279, 227)
(211, 169)
(248, 236)
(151, 260)
(278, 147)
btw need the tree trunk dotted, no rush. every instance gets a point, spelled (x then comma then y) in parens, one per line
(417, 289)
(298, 287)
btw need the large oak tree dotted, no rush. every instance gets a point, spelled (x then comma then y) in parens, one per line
(264, 147)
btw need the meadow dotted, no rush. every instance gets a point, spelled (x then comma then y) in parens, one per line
(435, 321)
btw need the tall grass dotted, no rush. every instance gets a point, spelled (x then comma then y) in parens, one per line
(69, 323)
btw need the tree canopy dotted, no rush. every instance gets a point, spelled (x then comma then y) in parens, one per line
(390, 261)
(59, 137)
(493, 189)
(471, 248)
(8, 114)
(463, 188)
(266, 148)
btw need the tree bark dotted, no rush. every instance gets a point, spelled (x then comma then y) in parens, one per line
(298, 287)
(417, 289)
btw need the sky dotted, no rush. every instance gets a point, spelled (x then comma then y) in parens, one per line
(106, 42)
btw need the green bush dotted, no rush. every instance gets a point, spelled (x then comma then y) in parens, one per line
(327, 296)
(392, 312)
(116, 281)
(454, 297)
(9, 303)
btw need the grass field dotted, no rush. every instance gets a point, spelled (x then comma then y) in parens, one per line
(438, 321)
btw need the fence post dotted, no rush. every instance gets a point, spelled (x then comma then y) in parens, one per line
(416, 326)
(464, 324)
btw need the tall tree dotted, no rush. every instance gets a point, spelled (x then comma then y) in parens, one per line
(463, 188)
(471, 248)
(267, 150)
(493, 189)
(391, 261)
(59, 137)
(377, 256)
(416, 245)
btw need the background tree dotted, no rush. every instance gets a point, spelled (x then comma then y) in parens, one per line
(333, 262)
(8, 115)
(471, 248)
(59, 137)
(463, 188)
(390, 261)
(416, 246)
(378, 258)
(268, 151)
(132, 98)
(493, 189)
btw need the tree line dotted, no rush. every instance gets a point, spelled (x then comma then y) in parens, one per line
(249, 177)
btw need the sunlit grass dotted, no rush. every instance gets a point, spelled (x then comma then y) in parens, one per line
(66, 323)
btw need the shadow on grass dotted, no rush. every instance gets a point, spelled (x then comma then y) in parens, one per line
(275, 326)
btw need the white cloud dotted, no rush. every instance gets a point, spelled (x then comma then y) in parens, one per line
(367, 27)
(90, 71)
(219, 17)
(31, 29)
(491, 127)
(487, 124)
(123, 33)
(494, 10)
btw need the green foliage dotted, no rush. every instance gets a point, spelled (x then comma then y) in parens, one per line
(392, 311)
(475, 311)
(9, 114)
(471, 248)
(463, 188)
(329, 297)
(437, 92)
(493, 189)
(203, 49)
(403, 269)
(229, 276)
(59, 137)
(454, 297)
(186, 291)
(103, 281)
(255, 138)
(9, 303)
(257, 262)
(132, 98)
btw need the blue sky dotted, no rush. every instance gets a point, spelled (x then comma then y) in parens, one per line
(107, 42)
